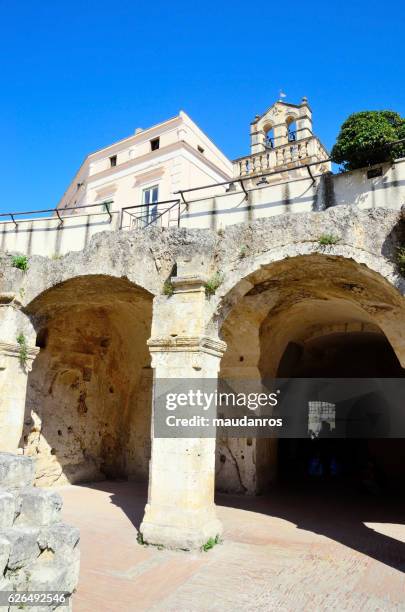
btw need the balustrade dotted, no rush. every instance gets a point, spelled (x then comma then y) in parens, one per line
(294, 151)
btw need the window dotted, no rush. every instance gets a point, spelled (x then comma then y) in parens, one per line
(150, 199)
(201, 150)
(291, 130)
(113, 161)
(269, 140)
(155, 144)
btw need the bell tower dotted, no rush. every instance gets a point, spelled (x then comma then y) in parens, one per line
(280, 124)
(282, 139)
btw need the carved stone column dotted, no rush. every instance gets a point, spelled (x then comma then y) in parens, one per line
(180, 512)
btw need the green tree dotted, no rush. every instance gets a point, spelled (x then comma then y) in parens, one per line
(364, 138)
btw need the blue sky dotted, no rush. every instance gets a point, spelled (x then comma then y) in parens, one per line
(77, 76)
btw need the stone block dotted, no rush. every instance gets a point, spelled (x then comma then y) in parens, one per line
(60, 538)
(16, 471)
(54, 576)
(7, 509)
(24, 548)
(38, 507)
(41, 577)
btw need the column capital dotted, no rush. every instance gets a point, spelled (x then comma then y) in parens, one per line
(189, 283)
(187, 344)
(14, 350)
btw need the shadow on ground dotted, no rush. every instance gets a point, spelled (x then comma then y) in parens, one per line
(130, 496)
(337, 513)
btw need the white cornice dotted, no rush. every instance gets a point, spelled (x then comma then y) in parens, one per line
(146, 134)
(151, 162)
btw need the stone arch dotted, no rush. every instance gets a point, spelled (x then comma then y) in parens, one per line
(291, 124)
(297, 292)
(88, 407)
(386, 301)
(127, 255)
(291, 116)
(269, 136)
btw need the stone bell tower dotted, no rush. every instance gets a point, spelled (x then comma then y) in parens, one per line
(281, 139)
(275, 127)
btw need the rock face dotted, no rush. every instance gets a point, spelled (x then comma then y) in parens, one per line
(37, 551)
(81, 335)
(14, 473)
(94, 365)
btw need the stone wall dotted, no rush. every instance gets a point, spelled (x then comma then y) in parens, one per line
(38, 552)
(96, 315)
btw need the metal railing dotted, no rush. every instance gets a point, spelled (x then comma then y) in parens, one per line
(166, 213)
(58, 212)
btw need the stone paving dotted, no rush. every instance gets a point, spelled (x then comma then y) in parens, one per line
(293, 550)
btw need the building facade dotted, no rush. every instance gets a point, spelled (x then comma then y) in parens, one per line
(147, 169)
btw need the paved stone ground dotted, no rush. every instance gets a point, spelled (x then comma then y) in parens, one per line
(292, 551)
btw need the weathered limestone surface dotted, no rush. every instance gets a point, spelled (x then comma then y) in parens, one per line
(146, 257)
(38, 507)
(90, 315)
(16, 474)
(14, 325)
(37, 551)
(180, 510)
(95, 367)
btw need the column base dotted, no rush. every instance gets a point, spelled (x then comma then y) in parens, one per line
(188, 531)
